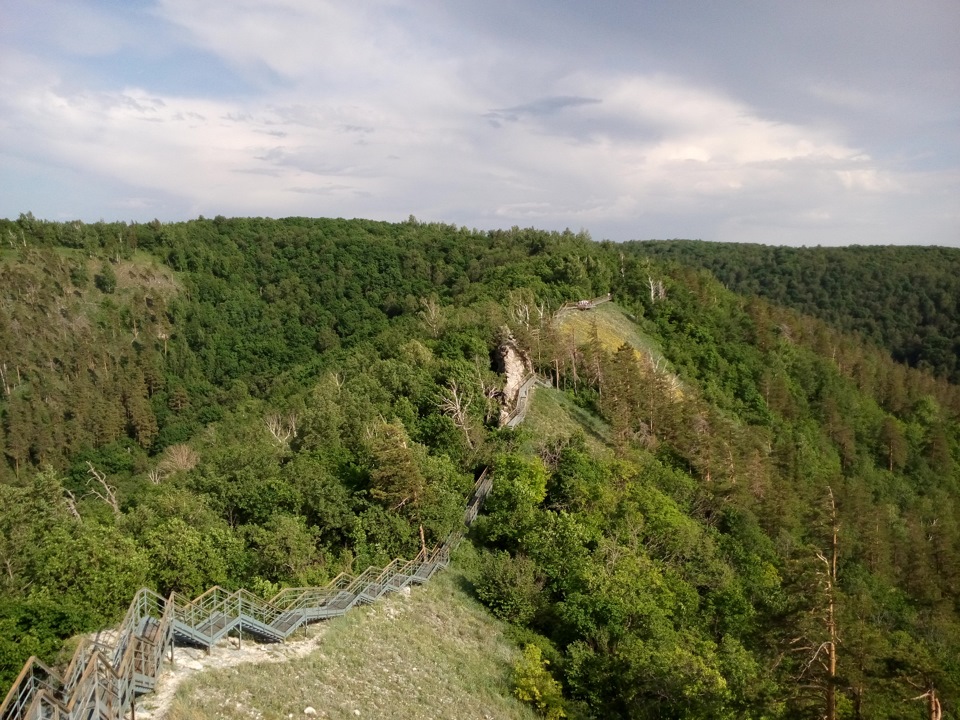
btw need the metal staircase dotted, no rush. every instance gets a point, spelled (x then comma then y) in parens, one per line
(106, 674)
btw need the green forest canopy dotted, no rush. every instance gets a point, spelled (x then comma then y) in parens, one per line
(271, 393)
(900, 297)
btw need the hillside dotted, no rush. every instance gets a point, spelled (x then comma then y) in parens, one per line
(431, 653)
(902, 298)
(305, 396)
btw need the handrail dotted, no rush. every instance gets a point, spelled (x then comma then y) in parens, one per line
(103, 678)
(585, 304)
(515, 416)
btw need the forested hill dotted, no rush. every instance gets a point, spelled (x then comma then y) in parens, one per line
(265, 403)
(906, 299)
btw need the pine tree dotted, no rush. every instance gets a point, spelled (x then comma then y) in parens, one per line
(396, 479)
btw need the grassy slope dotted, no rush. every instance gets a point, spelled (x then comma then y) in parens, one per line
(614, 327)
(434, 653)
(553, 414)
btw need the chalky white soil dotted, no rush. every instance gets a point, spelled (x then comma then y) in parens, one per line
(226, 654)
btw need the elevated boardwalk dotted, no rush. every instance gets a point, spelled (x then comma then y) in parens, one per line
(585, 304)
(104, 678)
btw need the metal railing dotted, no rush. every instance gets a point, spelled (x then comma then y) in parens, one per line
(585, 304)
(105, 676)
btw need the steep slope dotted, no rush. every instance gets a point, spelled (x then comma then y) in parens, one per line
(611, 326)
(327, 389)
(431, 653)
(679, 572)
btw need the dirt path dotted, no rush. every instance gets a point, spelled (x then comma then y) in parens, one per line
(225, 654)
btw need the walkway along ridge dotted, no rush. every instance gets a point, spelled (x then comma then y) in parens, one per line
(532, 380)
(104, 679)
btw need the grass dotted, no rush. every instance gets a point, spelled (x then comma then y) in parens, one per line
(142, 271)
(435, 653)
(614, 328)
(553, 413)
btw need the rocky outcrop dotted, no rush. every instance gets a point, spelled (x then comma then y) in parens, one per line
(517, 366)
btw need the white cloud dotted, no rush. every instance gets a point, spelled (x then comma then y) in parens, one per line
(365, 112)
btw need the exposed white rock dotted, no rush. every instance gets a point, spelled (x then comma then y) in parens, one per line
(224, 654)
(517, 366)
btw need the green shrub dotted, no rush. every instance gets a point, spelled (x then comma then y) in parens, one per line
(509, 586)
(533, 684)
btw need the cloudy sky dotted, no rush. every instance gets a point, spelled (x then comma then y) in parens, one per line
(816, 122)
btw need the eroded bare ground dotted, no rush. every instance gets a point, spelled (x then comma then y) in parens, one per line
(228, 653)
(431, 653)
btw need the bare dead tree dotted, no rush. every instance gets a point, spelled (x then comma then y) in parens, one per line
(574, 353)
(432, 315)
(934, 711)
(106, 492)
(156, 476)
(282, 428)
(520, 303)
(178, 458)
(657, 290)
(830, 584)
(455, 403)
(665, 379)
(824, 653)
(544, 315)
(490, 391)
(278, 428)
(71, 500)
(164, 336)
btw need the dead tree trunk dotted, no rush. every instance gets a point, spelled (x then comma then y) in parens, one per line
(823, 653)
(830, 583)
(109, 494)
(455, 404)
(573, 360)
(934, 711)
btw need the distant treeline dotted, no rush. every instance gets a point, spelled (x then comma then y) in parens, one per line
(904, 298)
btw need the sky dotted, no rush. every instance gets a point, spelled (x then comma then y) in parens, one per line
(773, 121)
